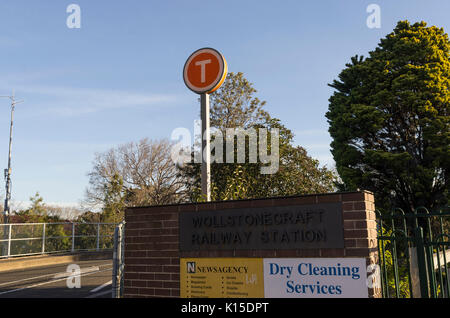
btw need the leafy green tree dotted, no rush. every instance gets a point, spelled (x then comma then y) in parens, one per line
(36, 213)
(389, 119)
(235, 106)
(86, 231)
(112, 212)
(57, 237)
(89, 217)
(114, 201)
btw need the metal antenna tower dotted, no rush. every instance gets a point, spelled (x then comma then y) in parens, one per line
(6, 208)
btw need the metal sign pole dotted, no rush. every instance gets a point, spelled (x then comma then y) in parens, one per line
(206, 147)
(203, 82)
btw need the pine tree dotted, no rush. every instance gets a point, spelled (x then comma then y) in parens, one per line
(389, 119)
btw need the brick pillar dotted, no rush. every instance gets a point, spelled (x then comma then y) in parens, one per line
(152, 264)
(360, 230)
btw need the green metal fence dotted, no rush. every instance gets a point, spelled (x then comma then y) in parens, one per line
(414, 251)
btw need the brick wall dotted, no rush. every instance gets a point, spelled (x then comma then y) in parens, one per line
(152, 257)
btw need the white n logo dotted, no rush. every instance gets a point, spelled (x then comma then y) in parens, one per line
(191, 267)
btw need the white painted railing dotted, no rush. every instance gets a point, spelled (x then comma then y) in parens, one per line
(20, 239)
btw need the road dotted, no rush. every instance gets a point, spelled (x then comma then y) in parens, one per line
(54, 281)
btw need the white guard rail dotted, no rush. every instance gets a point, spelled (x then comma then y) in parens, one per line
(20, 239)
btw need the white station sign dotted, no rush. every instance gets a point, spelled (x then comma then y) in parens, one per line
(315, 278)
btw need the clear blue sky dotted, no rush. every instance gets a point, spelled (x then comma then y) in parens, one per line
(118, 78)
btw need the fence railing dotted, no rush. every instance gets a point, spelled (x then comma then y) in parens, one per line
(118, 261)
(414, 253)
(20, 239)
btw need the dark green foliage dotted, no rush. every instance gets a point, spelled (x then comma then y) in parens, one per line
(57, 236)
(235, 106)
(389, 119)
(114, 200)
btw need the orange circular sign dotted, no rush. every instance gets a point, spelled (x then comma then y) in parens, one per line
(205, 71)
